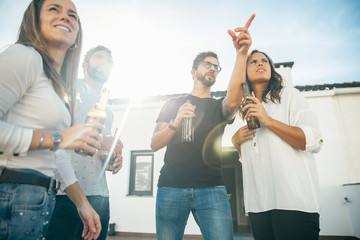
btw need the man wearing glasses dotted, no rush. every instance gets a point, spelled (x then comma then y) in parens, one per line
(190, 179)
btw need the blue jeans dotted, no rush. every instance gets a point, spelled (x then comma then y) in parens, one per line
(209, 206)
(66, 216)
(25, 210)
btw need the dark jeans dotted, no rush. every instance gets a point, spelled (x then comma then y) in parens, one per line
(66, 223)
(285, 225)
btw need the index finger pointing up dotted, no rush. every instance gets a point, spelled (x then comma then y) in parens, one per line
(248, 23)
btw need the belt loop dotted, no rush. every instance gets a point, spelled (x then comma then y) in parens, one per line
(57, 185)
(54, 185)
(51, 186)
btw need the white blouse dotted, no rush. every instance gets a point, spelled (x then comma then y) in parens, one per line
(28, 101)
(275, 174)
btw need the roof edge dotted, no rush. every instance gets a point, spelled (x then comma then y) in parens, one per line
(218, 94)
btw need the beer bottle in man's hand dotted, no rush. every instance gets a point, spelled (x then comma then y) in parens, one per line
(110, 164)
(187, 135)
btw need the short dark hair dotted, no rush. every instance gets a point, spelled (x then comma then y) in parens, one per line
(91, 52)
(201, 56)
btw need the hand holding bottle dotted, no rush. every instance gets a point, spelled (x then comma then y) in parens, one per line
(251, 120)
(96, 115)
(187, 134)
(82, 136)
(187, 110)
(115, 161)
(256, 109)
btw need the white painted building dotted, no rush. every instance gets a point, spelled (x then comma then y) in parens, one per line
(133, 193)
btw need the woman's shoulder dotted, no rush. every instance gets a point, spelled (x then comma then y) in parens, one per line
(21, 61)
(19, 51)
(287, 91)
(293, 96)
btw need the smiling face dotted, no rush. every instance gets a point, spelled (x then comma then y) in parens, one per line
(258, 68)
(206, 76)
(59, 23)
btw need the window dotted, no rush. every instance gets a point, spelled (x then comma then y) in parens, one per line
(141, 173)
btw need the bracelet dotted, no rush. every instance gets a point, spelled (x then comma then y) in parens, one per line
(171, 126)
(41, 141)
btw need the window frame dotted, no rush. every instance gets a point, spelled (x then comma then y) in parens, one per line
(134, 154)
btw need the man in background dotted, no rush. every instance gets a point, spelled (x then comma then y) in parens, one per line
(65, 222)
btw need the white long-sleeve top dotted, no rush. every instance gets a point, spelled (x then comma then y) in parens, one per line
(28, 101)
(275, 174)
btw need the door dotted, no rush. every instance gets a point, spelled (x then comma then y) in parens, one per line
(232, 175)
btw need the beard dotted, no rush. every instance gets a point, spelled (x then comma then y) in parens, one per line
(96, 75)
(205, 81)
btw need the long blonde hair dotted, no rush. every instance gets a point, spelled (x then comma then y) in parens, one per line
(30, 35)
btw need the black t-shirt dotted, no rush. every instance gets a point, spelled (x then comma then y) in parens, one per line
(198, 164)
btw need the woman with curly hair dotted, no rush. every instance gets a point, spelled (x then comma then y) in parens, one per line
(279, 171)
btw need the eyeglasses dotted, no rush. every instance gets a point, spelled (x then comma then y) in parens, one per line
(209, 64)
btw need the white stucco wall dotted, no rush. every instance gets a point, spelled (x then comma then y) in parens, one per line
(285, 72)
(338, 162)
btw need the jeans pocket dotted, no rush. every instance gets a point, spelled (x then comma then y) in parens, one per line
(28, 211)
(28, 197)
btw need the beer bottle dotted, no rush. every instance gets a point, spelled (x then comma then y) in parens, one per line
(97, 114)
(111, 162)
(252, 122)
(187, 135)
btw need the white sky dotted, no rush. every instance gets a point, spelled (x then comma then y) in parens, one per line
(154, 42)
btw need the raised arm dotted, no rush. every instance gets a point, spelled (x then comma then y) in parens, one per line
(242, 43)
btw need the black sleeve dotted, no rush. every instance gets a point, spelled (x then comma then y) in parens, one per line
(170, 110)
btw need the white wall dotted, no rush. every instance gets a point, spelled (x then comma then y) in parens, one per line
(335, 165)
(130, 213)
(285, 72)
(338, 162)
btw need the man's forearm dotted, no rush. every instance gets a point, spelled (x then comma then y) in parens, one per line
(161, 136)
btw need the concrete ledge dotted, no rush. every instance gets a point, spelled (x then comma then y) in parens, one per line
(338, 238)
(148, 236)
(145, 236)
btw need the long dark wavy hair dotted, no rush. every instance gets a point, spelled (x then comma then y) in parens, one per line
(275, 84)
(30, 35)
